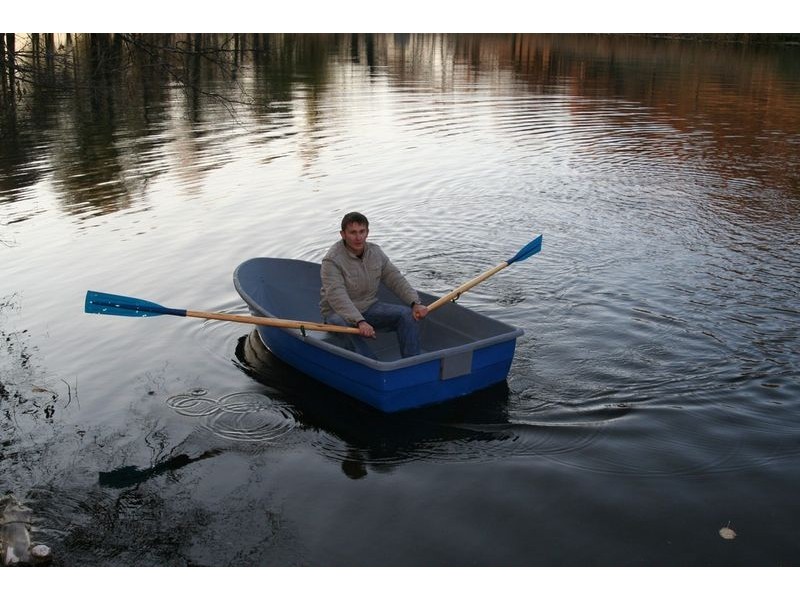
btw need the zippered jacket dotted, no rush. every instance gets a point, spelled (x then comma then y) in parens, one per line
(350, 283)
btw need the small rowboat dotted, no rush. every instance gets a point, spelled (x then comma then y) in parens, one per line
(462, 350)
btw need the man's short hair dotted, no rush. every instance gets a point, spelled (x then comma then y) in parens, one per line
(354, 217)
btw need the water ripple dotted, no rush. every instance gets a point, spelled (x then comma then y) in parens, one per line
(238, 416)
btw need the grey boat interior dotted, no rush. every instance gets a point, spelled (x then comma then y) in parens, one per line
(290, 289)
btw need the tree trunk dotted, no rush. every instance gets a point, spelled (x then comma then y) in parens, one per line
(11, 49)
(35, 48)
(49, 48)
(3, 86)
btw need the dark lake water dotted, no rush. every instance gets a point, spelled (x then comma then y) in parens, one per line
(653, 400)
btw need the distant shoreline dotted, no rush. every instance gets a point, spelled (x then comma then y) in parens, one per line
(788, 39)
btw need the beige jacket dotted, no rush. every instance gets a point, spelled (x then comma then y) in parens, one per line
(350, 284)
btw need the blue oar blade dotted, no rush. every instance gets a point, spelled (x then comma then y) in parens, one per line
(529, 250)
(124, 306)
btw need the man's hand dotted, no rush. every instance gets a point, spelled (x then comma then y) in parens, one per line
(420, 311)
(365, 329)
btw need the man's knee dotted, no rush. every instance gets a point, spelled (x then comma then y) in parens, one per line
(408, 317)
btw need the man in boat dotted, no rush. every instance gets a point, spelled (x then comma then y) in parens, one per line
(351, 273)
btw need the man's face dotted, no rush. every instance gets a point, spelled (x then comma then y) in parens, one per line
(355, 237)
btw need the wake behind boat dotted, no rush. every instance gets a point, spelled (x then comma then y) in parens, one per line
(462, 350)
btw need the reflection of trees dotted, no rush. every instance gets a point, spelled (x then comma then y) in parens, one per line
(98, 112)
(30, 402)
(104, 106)
(693, 86)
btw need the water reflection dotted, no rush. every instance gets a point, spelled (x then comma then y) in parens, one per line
(32, 400)
(127, 476)
(362, 438)
(127, 526)
(122, 99)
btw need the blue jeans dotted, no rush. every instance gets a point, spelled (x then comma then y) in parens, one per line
(384, 316)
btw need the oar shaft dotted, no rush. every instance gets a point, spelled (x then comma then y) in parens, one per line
(463, 288)
(124, 306)
(270, 322)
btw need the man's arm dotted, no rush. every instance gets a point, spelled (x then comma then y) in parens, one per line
(394, 280)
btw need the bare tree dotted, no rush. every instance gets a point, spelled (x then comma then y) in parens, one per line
(10, 69)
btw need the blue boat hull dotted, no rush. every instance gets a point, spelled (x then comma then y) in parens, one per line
(463, 351)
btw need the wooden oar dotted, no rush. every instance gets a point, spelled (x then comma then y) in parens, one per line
(529, 250)
(123, 306)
